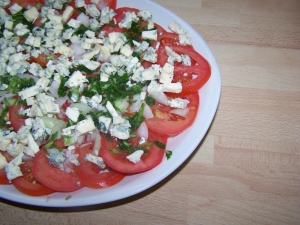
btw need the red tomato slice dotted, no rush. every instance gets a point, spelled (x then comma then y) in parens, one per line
(160, 30)
(168, 127)
(25, 3)
(3, 178)
(110, 3)
(89, 172)
(166, 38)
(53, 177)
(15, 120)
(119, 162)
(121, 12)
(109, 29)
(120, 15)
(146, 64)
(27, 184)
(202, 69)
(42, 59)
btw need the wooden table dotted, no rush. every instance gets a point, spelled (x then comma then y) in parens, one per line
(247, 169)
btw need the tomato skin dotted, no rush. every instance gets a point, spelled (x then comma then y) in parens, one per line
(89, 172)
(120, 15)
(52, 176)
(42, 59)
(25, 3)
(110, 3)
(172, 128)
(109, 29)
(160, 30)
(3, 178)
(27, 184)
(168, 38)
(202, 69)
(146, 64)
(119, 162)
(15, 120)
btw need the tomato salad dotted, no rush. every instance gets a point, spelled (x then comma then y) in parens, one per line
(90, 93)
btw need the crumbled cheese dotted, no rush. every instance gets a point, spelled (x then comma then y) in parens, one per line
(135, 157)
(12, 168)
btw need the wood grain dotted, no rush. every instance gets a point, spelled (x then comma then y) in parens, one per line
(247, 169)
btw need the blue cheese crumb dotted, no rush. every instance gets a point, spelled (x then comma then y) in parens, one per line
(135, 157)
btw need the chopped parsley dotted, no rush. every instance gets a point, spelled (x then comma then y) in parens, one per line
(168, 154)
(19, 18)
(50, 143)
(159, 144)
(150, 100)
(15, 83)
(137, 118)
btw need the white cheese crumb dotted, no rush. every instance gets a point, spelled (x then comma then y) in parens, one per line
(135, 157)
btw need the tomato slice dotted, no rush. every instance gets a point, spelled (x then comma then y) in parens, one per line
(27, 184)
(120, 12)
(89, 172)
(160, 30)
(42, 59)
(16, 120)
(119, 162)
(52, 176)
(109, 29)
(110, 3)
(202, 69)
(120, 15)
(25, 3)
(168, 38)
(171, 127)
(3, 178)
(165, 38)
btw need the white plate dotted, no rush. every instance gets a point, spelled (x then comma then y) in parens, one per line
(182, 146)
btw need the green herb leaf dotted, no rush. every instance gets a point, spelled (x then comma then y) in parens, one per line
(137, 118)
(15, 83)
(168, 154)
(49, 57)
(19, 18)
(50, 143)
(68, 197)
(83, 68)
(2, 116)
(159, 144)
(69, 140)
(111, 24)
(74, 93)
(10, 102)
(150, 100)
(114, 150)
(81, 117)
(62, 89)
(80, 31)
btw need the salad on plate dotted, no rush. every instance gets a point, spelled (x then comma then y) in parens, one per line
(90, 93)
